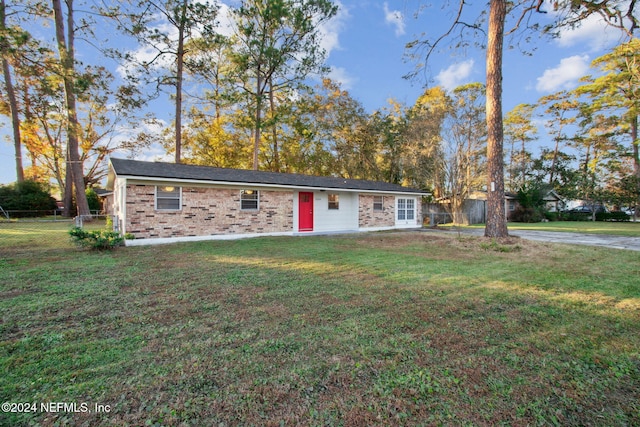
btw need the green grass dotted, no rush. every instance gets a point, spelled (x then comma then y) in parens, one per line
(377, 329)
(631, 229)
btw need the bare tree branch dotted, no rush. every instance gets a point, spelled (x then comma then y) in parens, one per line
(431, 47)
(525, 12)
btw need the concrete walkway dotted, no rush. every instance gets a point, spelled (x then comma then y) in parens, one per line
(604, 240)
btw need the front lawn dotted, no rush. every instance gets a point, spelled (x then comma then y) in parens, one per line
(631, 229)
(406, 328)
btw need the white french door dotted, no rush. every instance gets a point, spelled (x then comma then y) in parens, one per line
(405, 211)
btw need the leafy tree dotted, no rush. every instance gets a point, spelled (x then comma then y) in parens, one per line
(464, 147)
(561, 113)
(334, 135)
(391, 127)
(353, 150)
(419, 152)
(519, 128)
(314, 123)
(616, 92)
(625, 192)
(597, 146)
(213, 140)
(277, 47)
(26, 196)
(559, 165)
(168, 27)
(50, 92)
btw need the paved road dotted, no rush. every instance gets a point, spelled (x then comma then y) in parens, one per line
(605, 240)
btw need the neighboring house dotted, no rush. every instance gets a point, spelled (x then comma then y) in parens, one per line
(168, 202)
(553, 202)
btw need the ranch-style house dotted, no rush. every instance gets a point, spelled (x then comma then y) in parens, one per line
(167, 202)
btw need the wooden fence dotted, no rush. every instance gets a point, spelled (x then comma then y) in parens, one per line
(473, 212)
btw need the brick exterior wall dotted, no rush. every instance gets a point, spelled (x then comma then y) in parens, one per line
(368, 218)
(206, 211)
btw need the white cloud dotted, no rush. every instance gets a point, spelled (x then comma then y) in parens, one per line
(455, 75)
(340, 75)
(592, 34)
(126, 134)
(395, 18)
(225, 20)
(565, 75)
(330, 30)
(144, 55)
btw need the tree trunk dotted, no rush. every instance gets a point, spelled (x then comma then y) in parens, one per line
(636, 160)
(66, 52)
(274, 131)
(67, 195)
(179, 74)
(554, 160)
(496, 218)
(257, 136)
(15, 119)
(11, 95)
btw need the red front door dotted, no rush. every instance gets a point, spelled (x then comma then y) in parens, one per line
(305, 212)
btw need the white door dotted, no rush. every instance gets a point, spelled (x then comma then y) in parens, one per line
(405, 211)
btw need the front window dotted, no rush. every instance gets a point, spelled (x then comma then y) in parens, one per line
(249, 200)
(168, 198)
(334, 201)
(378, 203)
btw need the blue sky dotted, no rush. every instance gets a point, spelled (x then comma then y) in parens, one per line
(366, 42)
(369, 55)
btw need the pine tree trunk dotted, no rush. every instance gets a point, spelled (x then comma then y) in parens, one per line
(179, 78)
(636, 160)
(65, 49)
(274, 131)
(496, 218)
(13, 104)
(258, 125)
(15, 120)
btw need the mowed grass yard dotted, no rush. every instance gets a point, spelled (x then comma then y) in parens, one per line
(630, 229)
(407, 328)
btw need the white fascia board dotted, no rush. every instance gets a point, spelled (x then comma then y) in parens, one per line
(131, 178)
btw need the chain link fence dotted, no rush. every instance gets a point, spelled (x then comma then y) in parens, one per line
(45, 228)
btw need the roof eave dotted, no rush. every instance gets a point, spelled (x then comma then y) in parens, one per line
(267, 185)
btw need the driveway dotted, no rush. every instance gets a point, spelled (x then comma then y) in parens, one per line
(605, 240)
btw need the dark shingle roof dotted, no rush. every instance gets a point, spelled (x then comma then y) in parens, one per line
(171, 171)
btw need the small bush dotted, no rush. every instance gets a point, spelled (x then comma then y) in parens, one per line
(93, 200)
(524, 214)
(600, 216)
(612, 216)
(98, 240)
(575, 216)
(552, 216)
